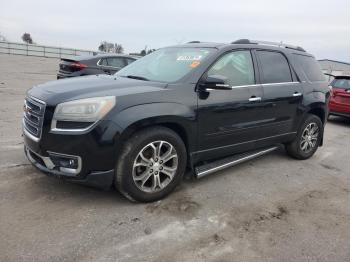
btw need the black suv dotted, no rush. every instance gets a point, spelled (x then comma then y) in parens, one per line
(198, 106)
(93, 65)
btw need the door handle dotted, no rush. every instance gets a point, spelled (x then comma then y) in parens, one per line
(297, 94)
(254, 99)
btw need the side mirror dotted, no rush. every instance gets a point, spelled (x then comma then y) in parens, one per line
(216, 82)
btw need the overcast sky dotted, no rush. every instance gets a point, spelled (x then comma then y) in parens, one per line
(321, 27)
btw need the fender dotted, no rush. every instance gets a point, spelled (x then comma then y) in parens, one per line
(316, 103)
(177, 116)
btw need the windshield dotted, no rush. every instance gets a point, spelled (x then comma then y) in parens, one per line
(166, 64)
(341, 83)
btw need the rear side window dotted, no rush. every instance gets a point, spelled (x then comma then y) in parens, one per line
(116, 62)
(341, 83)
(311, 68)
(274, 67)
(129, 61)
(236, 67)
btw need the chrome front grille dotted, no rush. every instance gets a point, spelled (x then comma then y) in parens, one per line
(33, 117)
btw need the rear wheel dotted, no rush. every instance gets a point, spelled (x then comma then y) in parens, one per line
(151, 165)
(307, 140)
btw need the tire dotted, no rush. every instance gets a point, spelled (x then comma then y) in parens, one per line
(166, 158)
(304, 145)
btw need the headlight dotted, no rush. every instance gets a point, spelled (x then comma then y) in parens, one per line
(83, 110)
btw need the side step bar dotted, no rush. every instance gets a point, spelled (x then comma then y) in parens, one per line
(221, 164)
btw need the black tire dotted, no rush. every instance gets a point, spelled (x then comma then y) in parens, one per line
(294, 149)
(124, 180)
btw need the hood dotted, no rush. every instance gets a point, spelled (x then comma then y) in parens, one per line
(58, 91)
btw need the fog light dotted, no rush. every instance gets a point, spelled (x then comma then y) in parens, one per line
(64, 161)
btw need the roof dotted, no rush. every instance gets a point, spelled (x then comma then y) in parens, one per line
(334, 61)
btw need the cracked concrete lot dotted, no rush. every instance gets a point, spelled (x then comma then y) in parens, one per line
(271, 209)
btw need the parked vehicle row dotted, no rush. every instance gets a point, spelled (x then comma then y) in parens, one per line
(197, 106)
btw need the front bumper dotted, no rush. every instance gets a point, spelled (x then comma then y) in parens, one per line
(102, 179)
(93, 154)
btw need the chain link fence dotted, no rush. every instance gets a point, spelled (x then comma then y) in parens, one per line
(41, 50)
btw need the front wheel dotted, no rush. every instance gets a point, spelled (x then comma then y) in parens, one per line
(308, 138)
(151, 165)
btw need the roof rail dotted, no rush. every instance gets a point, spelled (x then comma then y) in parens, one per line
(258, 42)
(193, 42)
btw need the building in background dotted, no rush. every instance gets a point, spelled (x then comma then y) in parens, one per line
(334, 67)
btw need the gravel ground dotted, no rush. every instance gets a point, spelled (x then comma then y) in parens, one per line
(271, 209)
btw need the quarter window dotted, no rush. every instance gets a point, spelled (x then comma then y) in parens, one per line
(274, 67)
(311, 68)
(103, 62)
(237, 67)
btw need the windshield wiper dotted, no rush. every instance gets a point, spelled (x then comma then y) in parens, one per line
(137, 77)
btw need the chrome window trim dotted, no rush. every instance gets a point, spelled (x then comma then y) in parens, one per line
(281, 83)
(257, 85)
(254, 85)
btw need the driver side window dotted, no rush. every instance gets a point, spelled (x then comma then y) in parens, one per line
(237, 67)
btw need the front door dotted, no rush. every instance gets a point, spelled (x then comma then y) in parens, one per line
(229, 120)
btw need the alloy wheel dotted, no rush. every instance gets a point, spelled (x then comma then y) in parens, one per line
(309, 137)
(155, 166)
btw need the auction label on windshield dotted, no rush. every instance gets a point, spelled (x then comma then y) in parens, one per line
(189, 58)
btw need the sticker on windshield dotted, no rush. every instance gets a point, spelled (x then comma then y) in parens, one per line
(189, 58)
(195, 63)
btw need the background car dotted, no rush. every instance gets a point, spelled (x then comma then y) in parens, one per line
(93, 65)
(339, 104)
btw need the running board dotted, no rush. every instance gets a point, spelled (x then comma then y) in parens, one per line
(221, 164)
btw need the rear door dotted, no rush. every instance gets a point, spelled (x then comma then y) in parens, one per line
(282, 95)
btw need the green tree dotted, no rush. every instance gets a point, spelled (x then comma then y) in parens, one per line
(106, 47)
(118, 48)
(26, 37)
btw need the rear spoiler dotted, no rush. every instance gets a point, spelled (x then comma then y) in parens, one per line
(338, 76)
